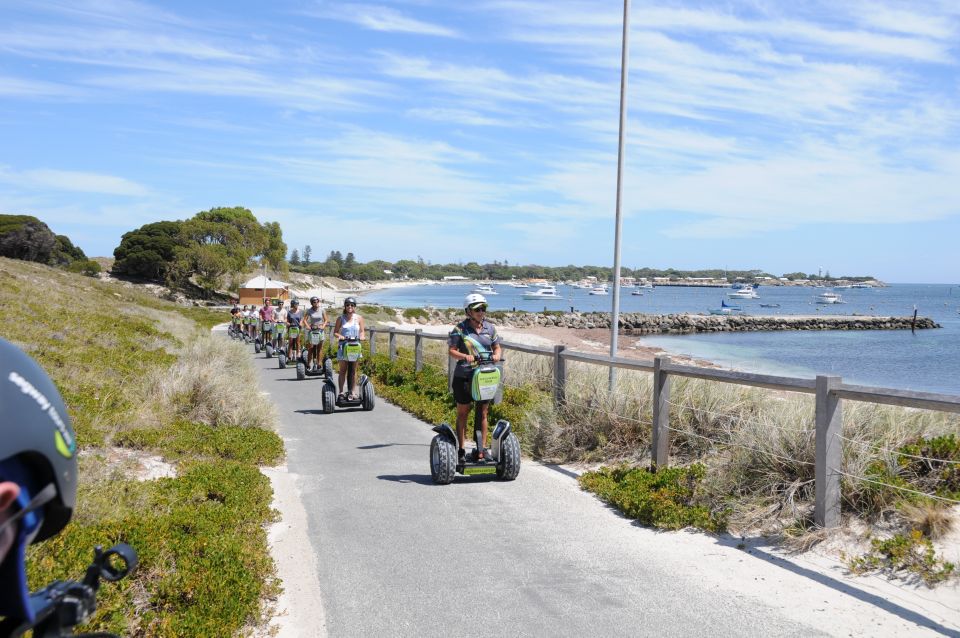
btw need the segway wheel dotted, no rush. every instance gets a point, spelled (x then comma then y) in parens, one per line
(329, 399)
(282, 360)
(443, 460)
(301, 371)
(328, 367)
(304, 354)
(369, 396)
(256, 346)
(269, 351)
(509, 464)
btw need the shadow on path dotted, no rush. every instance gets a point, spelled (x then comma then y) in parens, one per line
(377, 446)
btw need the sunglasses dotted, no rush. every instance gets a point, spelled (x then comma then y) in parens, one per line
(479, 308)
(350, 305)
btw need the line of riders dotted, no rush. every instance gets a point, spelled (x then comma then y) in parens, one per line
(292, 333)
(473, 344)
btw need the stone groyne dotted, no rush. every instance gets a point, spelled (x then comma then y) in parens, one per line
(646, 324)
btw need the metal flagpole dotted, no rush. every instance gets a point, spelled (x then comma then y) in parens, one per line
(624, 63)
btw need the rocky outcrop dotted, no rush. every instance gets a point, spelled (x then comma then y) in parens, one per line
(645, 324)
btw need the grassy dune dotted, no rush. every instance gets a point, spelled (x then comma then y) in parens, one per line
(143, 380)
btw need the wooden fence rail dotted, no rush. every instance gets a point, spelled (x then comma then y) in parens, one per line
(829, 391)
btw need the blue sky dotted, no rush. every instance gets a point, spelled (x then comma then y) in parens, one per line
(775, 135)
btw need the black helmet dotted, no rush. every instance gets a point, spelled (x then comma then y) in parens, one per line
(36, 432)
(294, 303)
(312, 299)
(349, 301)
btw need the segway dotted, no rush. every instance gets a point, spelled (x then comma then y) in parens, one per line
(367, 399)
(503, 459)
(313, 338)
(276, 344)
(266, 332)
(292, 332)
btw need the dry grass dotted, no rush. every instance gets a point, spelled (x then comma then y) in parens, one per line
(212, 383)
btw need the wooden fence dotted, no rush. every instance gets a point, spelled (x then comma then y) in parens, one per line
(830, 391)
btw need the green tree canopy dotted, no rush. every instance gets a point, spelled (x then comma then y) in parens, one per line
(148, 251)
(26, 237)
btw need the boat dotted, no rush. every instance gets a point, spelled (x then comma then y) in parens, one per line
(484, 289)
(645, 286)
(548, 292)
(829, 297)
(769, 305)
(743, 292)
(725, 309)
(861, 285)
(637, 293)
(600, 290)
(519, 284)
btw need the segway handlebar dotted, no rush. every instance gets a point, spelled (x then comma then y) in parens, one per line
(62, 605)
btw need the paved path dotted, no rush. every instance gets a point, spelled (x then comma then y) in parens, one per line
(398, 556)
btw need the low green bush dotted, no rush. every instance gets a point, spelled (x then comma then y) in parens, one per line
(185, 439)
(929, 465)
(666, 499)
(910, 553)
(415, 313)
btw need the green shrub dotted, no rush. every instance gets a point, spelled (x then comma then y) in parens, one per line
(185, 439)
(86, 267)
(415, 313)
(910, 553)
(369, 310)
(666, 499)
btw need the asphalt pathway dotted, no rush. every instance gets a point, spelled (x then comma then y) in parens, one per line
(399, 556)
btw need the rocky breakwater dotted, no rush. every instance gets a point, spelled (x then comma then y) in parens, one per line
(645, 324)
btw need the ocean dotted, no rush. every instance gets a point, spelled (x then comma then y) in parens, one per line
(928, 360)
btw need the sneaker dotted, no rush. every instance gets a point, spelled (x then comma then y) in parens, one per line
(461, 456)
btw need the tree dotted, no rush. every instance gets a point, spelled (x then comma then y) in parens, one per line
(65, 253)
(295, 258)
(336, 256)
(148, 251)
(276, 251)
(306, 255)
(216, 242)
(26, 237)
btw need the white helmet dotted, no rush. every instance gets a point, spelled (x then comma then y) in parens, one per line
(472, 299)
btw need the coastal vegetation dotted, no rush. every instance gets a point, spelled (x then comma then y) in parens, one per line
(202, 250)
(27, 238)
(335, 265)
(147, 387)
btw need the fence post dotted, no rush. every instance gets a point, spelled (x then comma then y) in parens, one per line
(826, 510)
(418, 350)
(373, 340)
(393, 345)
(559, 377)
(660, 444)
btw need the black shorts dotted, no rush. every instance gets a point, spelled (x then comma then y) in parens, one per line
(461, 390)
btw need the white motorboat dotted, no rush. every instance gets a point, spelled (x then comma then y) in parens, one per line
(829, 297)
(637, 293)
(600, 290)
(548, 292)
(484, 289)
(645, 286)
(743, 292)
(519, 284)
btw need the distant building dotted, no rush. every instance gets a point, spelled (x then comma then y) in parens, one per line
(260, 287)
(454, 278)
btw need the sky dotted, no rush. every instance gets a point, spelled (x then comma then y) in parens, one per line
(781, 136)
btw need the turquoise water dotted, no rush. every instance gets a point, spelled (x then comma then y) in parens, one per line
(928, 360)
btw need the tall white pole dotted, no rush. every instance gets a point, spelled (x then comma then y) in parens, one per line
(615, 315)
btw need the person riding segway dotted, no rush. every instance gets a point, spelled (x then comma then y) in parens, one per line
(266, 326)
(294, 319)
(475, 345)
(315, 325)
(350, 331)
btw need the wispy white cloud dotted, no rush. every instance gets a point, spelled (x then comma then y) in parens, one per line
(11, 86)
(381, 18)
(77, 181)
